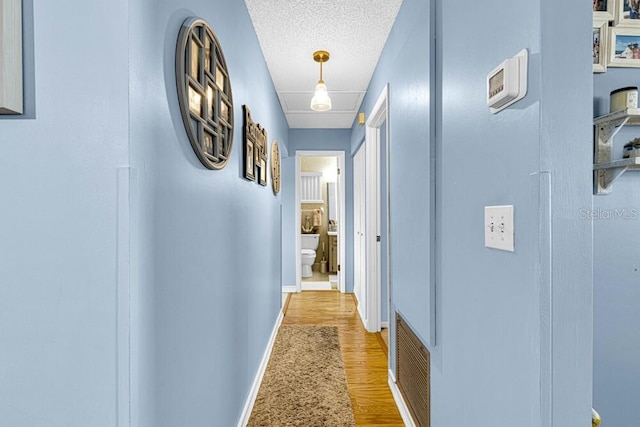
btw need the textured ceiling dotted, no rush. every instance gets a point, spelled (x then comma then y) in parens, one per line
(353, 31)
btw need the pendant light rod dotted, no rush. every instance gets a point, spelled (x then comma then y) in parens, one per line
(321, 56)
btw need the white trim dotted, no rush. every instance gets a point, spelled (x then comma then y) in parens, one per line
(298, 226)
(379, 114)
(359, 242)
(340, 154)
(402, 406)
(292, 289)
(342, 227)
(384, 325)
(253, 393)
(123, 295)
(316, 286)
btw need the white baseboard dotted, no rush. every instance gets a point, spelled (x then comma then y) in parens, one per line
(384, 325)
(316, 286)
(402, 407)
(289, 289)
(362, 319)
(253, 393)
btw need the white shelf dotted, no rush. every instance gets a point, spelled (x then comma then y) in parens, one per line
(606, 170)
(633, 114)
(632, 163)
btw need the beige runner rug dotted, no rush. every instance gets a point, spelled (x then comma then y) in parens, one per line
(305, 382)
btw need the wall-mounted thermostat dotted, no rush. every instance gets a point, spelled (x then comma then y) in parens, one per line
(507, 83)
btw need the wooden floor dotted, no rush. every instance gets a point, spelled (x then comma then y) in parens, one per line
(364, 359)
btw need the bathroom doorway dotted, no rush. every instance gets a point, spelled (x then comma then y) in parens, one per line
(320, 220)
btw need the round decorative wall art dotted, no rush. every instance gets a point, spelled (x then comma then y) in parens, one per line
(275, 166)
(204, 93)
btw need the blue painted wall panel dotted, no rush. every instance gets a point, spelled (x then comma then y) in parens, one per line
(209, 241)
(493, 321)
(58, 228)
(616, 267)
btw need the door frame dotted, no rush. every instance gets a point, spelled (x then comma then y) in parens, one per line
(342, 216)
(374, 203)
(359, 231)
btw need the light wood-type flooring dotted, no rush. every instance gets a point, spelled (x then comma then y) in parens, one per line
(364, 358)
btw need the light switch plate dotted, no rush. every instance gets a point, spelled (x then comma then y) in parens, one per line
(498, 227)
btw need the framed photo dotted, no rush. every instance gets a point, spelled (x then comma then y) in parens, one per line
(627, 13)
(220, 78)
(11, 98)
(208, 142)
(194, 57)
(624, 47)
(604, 10)
(198, 48)
(249, 165)
(262, 179)
(195, 101)
(600, 46)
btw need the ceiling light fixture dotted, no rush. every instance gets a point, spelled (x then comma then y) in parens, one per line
(321, 100)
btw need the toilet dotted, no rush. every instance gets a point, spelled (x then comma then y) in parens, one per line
(309, 245)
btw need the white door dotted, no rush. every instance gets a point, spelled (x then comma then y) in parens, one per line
(359, 220)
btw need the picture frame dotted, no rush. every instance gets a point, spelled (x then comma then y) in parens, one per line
(208, 142)
(194, 58)
(11, 82)
(250, 158)
(262, 178)
(600, 46)
(249, 165)
(604, 10)
(197, 50)
(624, 47)
(627, 13)
(195, 101)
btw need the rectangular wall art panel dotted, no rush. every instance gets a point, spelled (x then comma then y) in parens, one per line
(10, 57)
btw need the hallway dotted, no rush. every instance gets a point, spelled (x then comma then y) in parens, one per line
(364, 358)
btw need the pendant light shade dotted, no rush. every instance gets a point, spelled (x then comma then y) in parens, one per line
(321, 100)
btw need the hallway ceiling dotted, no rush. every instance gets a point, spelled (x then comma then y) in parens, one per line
(353, 31)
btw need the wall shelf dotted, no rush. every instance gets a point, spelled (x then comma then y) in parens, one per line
(605, 169)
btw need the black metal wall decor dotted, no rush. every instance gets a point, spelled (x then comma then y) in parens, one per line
(255, 149)
(204, 93)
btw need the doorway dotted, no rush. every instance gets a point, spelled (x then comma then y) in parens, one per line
(371, 220)
(320, 220)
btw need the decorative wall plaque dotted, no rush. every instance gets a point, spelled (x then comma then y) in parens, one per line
(11, 101)
(275, 167)
(255, 149)
(204, 93)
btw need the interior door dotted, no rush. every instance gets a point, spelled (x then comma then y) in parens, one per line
(359, 212)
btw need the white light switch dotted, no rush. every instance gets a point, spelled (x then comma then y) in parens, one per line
(498, 227)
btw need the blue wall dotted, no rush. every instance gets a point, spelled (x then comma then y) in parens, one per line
(405, 65)
(512, 330)
(208, 285)
(132, 278)
(616, 356)
(512, 339)
(315, 140)
(63, 219)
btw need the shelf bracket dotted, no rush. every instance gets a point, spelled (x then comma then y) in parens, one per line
(603, 178)
(606, 170)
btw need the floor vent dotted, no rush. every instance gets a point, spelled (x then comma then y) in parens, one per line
(413, 373)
